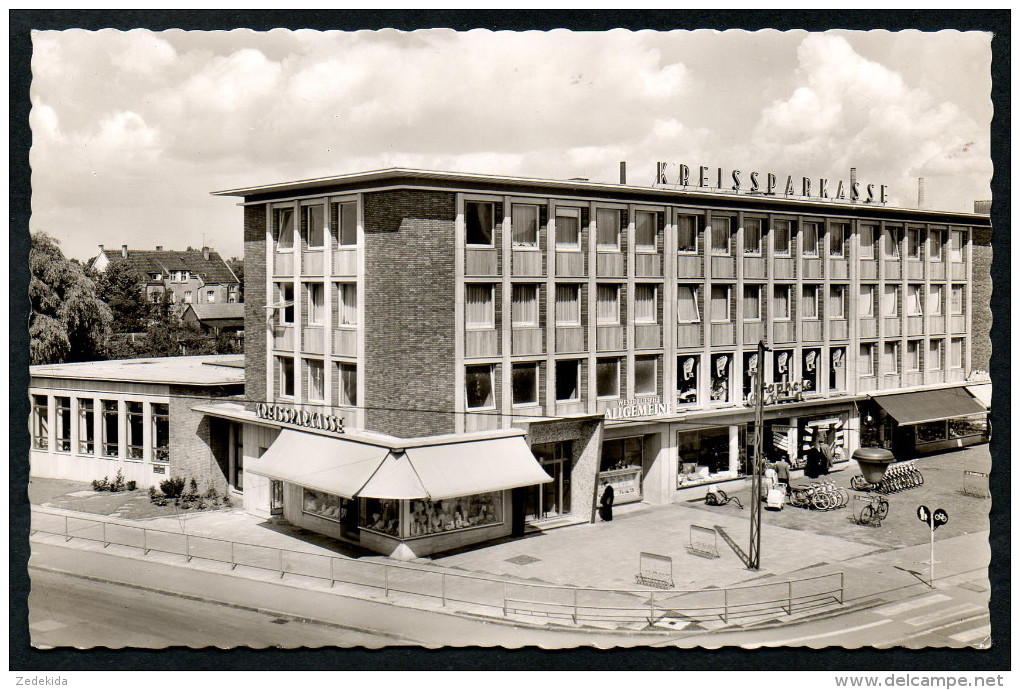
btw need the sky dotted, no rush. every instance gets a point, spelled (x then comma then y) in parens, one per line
(133, 130)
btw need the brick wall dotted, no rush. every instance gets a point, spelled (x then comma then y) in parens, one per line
(255, 300)
(981, 343)
(409, 311)
(198, 443)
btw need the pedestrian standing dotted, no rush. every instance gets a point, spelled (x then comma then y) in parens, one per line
(606, 502)
(783, 472)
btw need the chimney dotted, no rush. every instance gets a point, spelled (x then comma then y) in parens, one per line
(920, 193)
(623, 172)
(159, 247)
(123, 250)
(983, 206)
(853, 177)
(205, 253)
(100, 249)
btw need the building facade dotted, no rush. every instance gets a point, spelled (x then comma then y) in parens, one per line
(616, 326)
(190, 276)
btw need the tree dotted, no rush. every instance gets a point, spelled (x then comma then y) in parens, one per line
(236, 265)
(120, 287)
(68, 322)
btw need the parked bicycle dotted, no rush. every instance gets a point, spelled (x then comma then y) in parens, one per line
(898, 477)
(875, 511)
(824, 495)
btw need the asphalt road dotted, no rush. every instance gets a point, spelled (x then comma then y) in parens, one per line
(69, 611)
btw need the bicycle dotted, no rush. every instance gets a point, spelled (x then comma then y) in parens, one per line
(875, 511)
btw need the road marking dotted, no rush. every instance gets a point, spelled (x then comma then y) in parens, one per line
(843, 631)
(971, 635)
(905, 606)
(944, 613)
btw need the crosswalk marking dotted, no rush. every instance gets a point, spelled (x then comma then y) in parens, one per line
(952, 612)
(971, 635)
(903, 607)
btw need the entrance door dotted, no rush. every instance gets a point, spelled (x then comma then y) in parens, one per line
(552, 499)
(275, 497)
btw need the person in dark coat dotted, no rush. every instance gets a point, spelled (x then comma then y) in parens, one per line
(606, 502)
(783, 472)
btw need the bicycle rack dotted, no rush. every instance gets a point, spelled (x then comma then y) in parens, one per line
(860, 503)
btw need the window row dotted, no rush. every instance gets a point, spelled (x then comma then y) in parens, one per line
(99, 427)
(343, 226)
(345, 297)
(313, 377)
(914, 359)
(915, 303)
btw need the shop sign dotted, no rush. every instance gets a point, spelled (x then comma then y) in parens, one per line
(783, 392)
(767, 184)
(291, 415)
(638, 407)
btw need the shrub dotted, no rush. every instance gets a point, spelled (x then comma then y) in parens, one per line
(211, 493)
(118, 482)
(132, 485)
(101, 484)
(172, 487)
(226, 500)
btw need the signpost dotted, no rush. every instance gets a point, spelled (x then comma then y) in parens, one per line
(934, 520)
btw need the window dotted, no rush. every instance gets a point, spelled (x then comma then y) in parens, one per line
(752, 303)
(607, 377)
(86, 427)
(809, 370)
(934, 355)
(687, 234)
(867, 360)
(524, 383)
(646, 381)
(809, 239)
(524, 305)
(608, 305)
(645, 304)
(935, 245)
(809, 301)
(837, 369)
(316, 387)
(135, 426)
(891, 300)
(40, 422)
(720, 303)
(316, 303)
(956, 353)
(283, 230)
(63, 424)
(935, 300)
(913, 305)
(686, 379)
(286, 374)
(314, 230)
(347, 304)
(837, 302)
(781, 238)
(913, 243)
(957, 240)
(524, 225)
(479, 306)
(866, 236)
(479, 219)
(721, 236)
(607, 228)
(866, 302)
(781, 363)
(111, 428)
(348, 377)
(781, 302)
(478, 386)
(347, 224)
(890, 355)
(161, 432)
(892, 242)
(646, 227)
(687, 304)
(568, 229)
(720, 388)
(285, 299)
(913, 361)
(567, 377)
(957, 297)
(752, 236)
(837, 239)
(568, 305)
(187, 296)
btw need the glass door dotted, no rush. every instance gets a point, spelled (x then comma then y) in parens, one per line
(552, 499)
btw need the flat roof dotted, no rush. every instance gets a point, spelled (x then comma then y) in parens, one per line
(404, 176)
(201, 370)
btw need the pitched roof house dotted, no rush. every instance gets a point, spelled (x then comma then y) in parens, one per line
(192, 275)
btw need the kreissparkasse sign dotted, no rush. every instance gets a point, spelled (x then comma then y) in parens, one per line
(292, 415)
(767, 184)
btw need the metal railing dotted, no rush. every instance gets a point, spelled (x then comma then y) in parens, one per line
(488, 595)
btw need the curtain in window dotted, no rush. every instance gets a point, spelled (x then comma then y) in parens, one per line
(568, 231)
(837, 236)
(752, 236)
(687, 234)
(315, 303)
(867, 362)
(314, 226)
(720, 235)
(479, 305)
(347, 306)
(956, 245)
(890, 297)
(644, 304)
(645, 228)
(935, 354)
(607, 222)
(315, 382)
(524, 223)
(348, 224)
(836, 304)
(957, 299)
(889, 355)
(608, 304)
(809, 238)
(810, 301)
(935, 244)
(935, 300)
(781, 237)
(956, 352)
(284, 228)
(782, 302)
(568, 305)
(752, 302)
(914, 299)
(866, 302)
(348, 384)
(524, 305)
(687, 304)
(720, 303)
(867, 241)
(892, 242)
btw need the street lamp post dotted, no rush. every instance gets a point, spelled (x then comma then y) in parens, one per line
(754, 552)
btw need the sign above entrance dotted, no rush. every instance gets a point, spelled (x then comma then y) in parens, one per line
(767, 184)
(639, 407)
(292, 415)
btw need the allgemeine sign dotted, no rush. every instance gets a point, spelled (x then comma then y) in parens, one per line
(766, 184)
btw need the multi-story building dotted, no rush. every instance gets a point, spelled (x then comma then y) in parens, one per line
(190, 276)
(615, 326)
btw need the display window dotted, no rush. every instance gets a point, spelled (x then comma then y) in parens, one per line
(323, 505)
(687, 380)
(750, 369)
(381, 515)
(703, 456)
(809, 374)
(837, 369)
(621, 467)
(451, 514)
(828, 432)
(781, 370)
(720, 378)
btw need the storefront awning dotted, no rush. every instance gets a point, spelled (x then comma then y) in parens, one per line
(929, 406)
(983, 392)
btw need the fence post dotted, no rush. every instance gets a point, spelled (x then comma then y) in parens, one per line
(332, 577)
(726, 605)
(232, 564)
(504, 599)
(575, 604)
(386, 579)
(651, 608)
(66, 538)
(789, 597)
(105, 543)
(281, 563)
(145, 542)
(444, 588)
(840, 586)
(187, 547)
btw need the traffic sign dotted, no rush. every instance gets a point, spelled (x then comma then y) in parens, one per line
(924, 515)
(939, 518)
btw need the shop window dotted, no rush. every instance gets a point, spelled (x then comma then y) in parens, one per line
(645, 303)
(809, 238)
(752, 303)
(837, 302)
(866, 240)
(956, 353)
(63, 424)
(161, 432)
(479, 219)
(339, 509)
(479, 310)
(809, 370)
(646, 226)
(720, 391)
(935, 245)
(781, 366)
(111, 429)
(866, 365)
(703, 453)
(838, 233)
(961, 427)
(568, 229)
(478, 387)
(285, 368)
(347, 304)
(524, 383)
(687, 234)
(934, 355)
(314, 226)
(687, 304)
(608, 305)
(568, 375)
(346, 223)
(930, 432)
(914, 243)
(283, 228)
(348, 378)
(750, 370)
(721, 236)
(866, 302)
(752, 236)
(837, 369)
(316, 303)
(720, 303)
(607, 377)
(781, 238)
(957, 240)
(315, 380)
(913, 360)
(646, 377)
(568, 305)
(135, 426)
(957, 299)
(450, 514)
(809, 301)
(378, 515)
(891, 300)
(524, 305)
(524, 226)
(86, 427)
(892, 238)
(913, 305)
(687, 380)
(40, 422)
(935, 300)
(621, 467)
(607, 228)
(781, 302)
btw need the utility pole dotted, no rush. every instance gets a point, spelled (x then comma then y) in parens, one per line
(754, 552)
